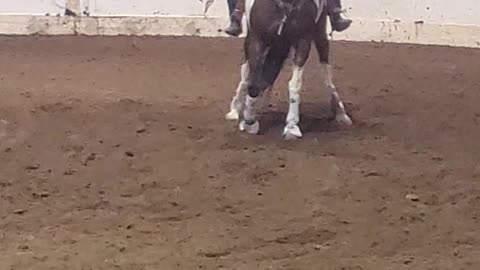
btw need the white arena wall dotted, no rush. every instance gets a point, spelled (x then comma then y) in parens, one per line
(440, 22)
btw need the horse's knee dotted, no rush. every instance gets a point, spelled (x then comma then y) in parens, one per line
(254, 90)
(256, 85)
(302, 52)
(295, 84)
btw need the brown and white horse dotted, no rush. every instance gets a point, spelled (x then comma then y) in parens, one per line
(274, 28)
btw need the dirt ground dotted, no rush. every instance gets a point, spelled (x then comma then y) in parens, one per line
(114, 154)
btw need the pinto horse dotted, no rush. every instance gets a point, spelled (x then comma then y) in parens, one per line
(275, 27)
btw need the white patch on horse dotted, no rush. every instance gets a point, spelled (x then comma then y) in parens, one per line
(294, 88)
(240, 92)
(249, 122)
(327, 75)
(338, 107)
(248, 9)
(320, 5)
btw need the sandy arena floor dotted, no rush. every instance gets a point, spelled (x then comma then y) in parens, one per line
(114, 154)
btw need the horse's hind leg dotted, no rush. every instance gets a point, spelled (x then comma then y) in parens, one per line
(239, 99)
(302, 50)
(338, 108)
(323, 48)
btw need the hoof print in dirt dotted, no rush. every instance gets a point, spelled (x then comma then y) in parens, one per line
(20, 211)
(412, 197)
(69, 172)
(141, 130)
(91, 157)
(43, 194)
(476, 172)
(32, 167)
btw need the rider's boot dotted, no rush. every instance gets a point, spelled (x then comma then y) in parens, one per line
(338, 23)
(235, 27)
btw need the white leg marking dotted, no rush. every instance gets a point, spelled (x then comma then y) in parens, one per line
(248, 9)
(292, 130)
(239, 98)
(337, 105)
(327, 73)
(249, 122)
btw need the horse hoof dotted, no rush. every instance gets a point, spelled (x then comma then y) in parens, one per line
(251, 129)
(232, 115)
(344, 119)
(292, 133)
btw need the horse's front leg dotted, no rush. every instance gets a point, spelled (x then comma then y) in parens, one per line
(239, 99)
(295, 85)
(256, 51)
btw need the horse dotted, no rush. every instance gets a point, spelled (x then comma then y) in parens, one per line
(274, 29)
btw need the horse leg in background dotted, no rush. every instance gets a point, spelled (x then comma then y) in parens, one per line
(239, 99)
(302, 50)
(323, 48)
(338, 108)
